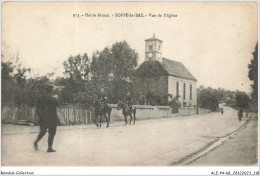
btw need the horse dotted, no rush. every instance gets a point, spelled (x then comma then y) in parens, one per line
(127, 111)
(101, 109)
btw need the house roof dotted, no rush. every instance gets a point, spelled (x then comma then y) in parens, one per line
(177, 69)
(167, 67)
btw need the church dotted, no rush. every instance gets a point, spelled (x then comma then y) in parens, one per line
(159, 79)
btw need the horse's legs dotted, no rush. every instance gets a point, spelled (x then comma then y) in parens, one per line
(100, 120)
(107, 120)
(130, 118)
(95, 115)
(125, 119)
(134, 117)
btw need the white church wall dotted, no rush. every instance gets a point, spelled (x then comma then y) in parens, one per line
(172, 81)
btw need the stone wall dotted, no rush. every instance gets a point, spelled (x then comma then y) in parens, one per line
(142, 112)
(189, 111)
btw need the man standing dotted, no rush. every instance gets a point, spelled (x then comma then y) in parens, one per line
(48, 118)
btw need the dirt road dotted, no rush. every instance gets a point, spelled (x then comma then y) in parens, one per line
(158, 142)
(239, 150)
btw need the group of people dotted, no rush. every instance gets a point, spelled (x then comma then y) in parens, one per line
(46, 109)
(48, 118)
(103, 98)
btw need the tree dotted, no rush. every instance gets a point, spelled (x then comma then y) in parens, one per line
(242, 99)
(124, 60)
(36, 89)
(113, 68)
(13, 81)
(253, 75)
(207, 98)
(6, 70)
(101, 69)
(8, 83)
(60, 81)
(77, 67)
(78, 88)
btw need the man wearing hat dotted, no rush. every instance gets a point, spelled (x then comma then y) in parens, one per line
(47, 113)
(128, 100)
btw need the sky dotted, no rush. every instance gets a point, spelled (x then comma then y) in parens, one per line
(214, 40)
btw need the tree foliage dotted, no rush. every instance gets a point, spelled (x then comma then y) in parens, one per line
(8, 83)
(78, 88)
(242, 100)
(208, 98)
(77, 67)
(112, 69)
(36, 89)
(13, 81)
(253, 75)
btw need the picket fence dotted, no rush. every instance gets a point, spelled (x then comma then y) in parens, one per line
(67, 115)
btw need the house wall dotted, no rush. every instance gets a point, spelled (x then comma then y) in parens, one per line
(172, 89)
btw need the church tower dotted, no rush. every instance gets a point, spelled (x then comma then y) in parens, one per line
(153, 49)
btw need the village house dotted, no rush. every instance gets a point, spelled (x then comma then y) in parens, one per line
(158, 79)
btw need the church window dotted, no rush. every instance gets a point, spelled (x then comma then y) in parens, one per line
(177, 88)
(150, 47)
(184, 91)
(190, 92)
(159, 47)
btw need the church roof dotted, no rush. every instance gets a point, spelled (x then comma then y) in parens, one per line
(152, 38)
(167, 67)
(151, 69)
(177, 69)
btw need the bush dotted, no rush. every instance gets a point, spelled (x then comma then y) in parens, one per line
(207, 98)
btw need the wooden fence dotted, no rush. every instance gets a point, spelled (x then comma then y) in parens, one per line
(67, 115)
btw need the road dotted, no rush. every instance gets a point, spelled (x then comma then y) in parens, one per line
(239, 150)
(158, 142)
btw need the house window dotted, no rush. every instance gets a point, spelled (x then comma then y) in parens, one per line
(150, 47)
(184, 91)
(177, 88)
(190, 92)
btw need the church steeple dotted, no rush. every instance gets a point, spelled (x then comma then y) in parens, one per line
(153, 49)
